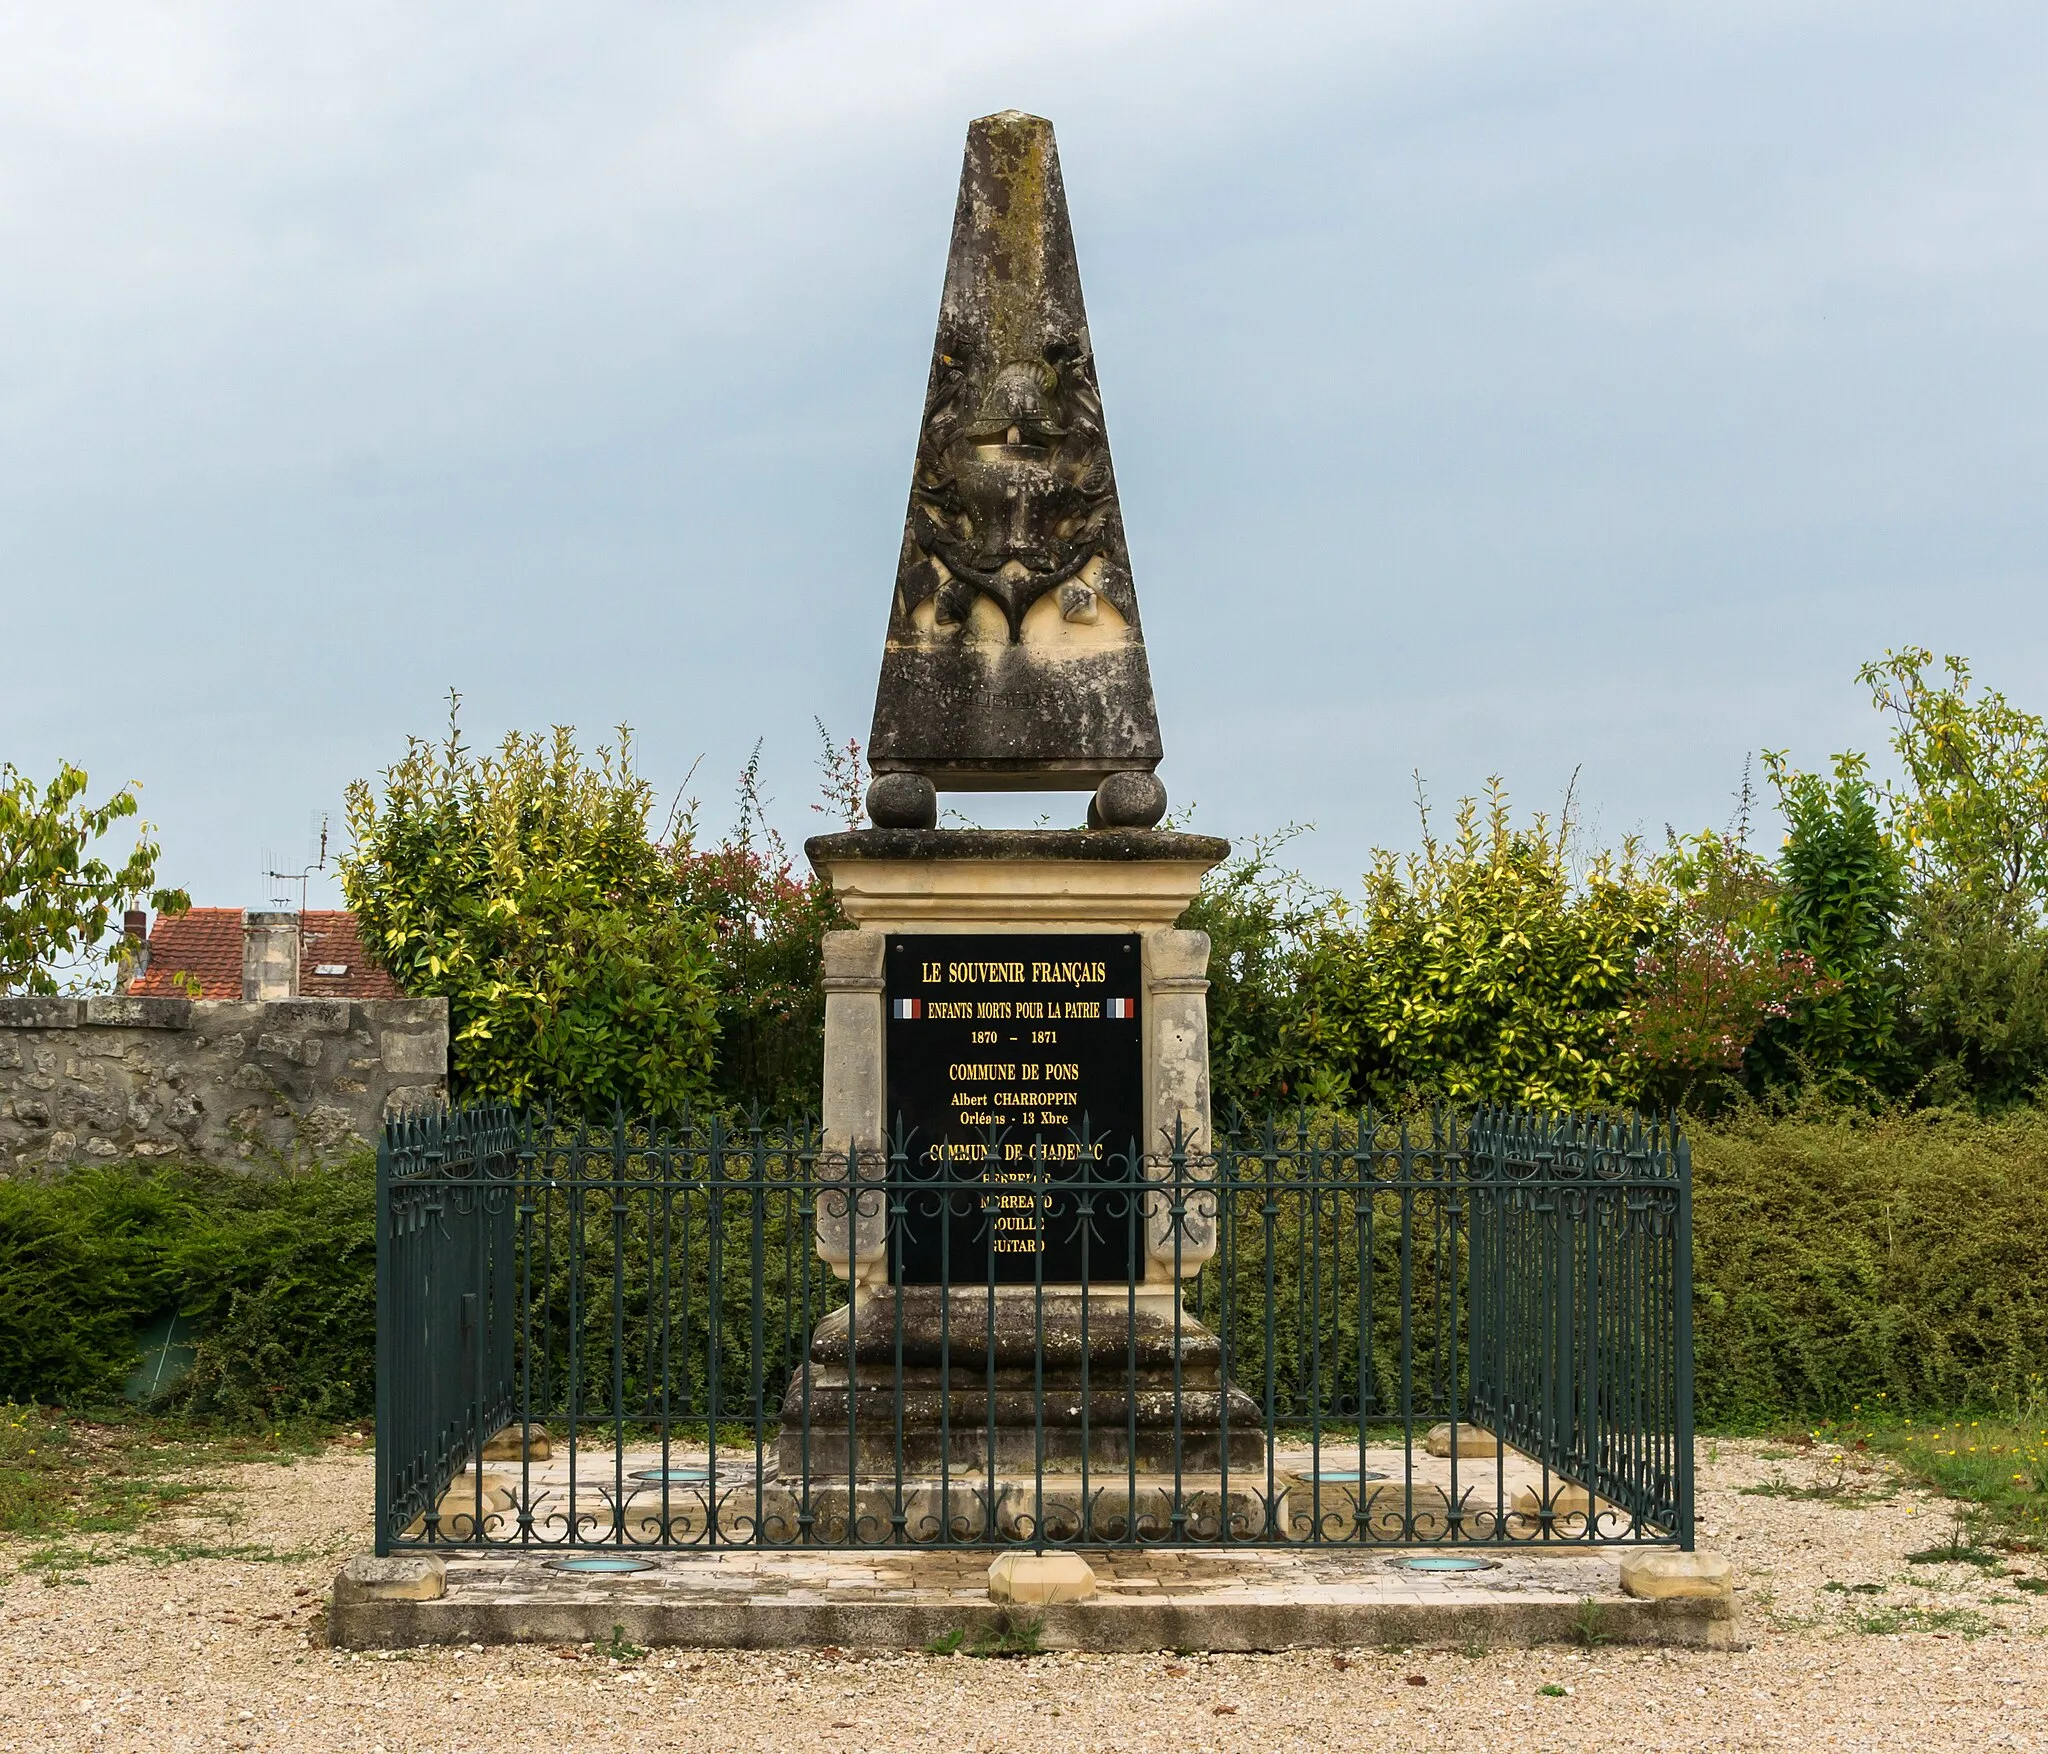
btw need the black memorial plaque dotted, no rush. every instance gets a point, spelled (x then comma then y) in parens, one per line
(1011, 1056)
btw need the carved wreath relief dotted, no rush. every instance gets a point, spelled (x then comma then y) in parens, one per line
(1013, 495)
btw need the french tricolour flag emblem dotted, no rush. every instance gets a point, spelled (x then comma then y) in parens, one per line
(909, 1007)
(1123, 1007)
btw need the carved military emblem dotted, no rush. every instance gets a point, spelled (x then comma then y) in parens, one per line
(1013, 494)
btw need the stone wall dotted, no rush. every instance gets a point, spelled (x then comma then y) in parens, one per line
(226, 1081)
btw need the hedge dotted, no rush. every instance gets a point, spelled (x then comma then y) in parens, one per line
(1840, 1262)
(276, 1273)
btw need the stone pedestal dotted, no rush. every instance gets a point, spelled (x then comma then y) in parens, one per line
(923, 1380)
(981, 881)
(405, 1578)
(969, 1389)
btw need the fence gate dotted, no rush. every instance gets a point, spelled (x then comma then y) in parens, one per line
(1463, 1329)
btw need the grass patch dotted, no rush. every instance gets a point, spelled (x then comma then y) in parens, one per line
(56, 1561)
(1834, 1488)
(1953, 1554)
(1009, 1635)
(1993, 1468)
(63, 1476)
(1826, 1492)
(178, 1552)
(1998, 1466)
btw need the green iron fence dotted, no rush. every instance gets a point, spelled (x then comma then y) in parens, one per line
(1468, 1329)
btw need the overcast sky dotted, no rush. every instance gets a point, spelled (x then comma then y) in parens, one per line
(1493, 388)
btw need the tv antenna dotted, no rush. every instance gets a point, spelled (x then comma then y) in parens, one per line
(281, 881)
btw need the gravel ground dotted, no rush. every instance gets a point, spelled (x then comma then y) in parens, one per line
(213, 1640)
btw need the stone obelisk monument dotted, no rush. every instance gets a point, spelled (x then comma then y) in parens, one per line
(1009, 1000)
(1015, 660)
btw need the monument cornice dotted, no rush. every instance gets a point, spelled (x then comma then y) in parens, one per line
(1039, 879)
(1094, 845)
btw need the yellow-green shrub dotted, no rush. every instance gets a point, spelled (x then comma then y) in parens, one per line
(1484, 968)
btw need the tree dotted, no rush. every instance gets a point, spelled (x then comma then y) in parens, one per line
(768, 925)
(1718, 972)
(526, 889)
(1843, 885)
(1974, 814)
(56, 900)
(1482, 970)
(1259, 916)
(1975, 975)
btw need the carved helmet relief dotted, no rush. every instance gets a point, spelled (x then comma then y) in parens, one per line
(1014, 653)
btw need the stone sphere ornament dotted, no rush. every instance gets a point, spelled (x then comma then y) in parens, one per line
(903, 800)
(1127, 800)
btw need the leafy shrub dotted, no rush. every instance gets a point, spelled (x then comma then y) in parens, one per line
(1839, 1257)
(277, 1273)
(590, 962)
(1715, 974)
(280, 1280)
(1843, 883)
(1976, 1029)
(768, 925)
(1974, 811)
(1259, 917)
(1483, 969)
(526, 889)
(85, 1261)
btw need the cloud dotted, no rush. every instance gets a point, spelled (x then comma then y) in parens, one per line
(1492, 386)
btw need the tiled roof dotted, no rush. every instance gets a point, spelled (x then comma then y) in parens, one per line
(207, 943)
(328, 939)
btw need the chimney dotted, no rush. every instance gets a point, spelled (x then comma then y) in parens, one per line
(270, 956)
(135, 952)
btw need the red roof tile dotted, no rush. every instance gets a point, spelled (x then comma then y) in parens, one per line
(207, 944)
(328, 939)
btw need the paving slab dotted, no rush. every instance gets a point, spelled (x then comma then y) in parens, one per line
(1191, 1600)
(1349, 1589)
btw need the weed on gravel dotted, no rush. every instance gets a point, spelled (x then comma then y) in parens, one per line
(1589, 1625)
(619, 1648)
(63, 1478)
(1834, 1487)
(1966, 1622)
(1009, 1634)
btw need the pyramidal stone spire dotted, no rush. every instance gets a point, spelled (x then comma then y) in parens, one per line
(1015, 660)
